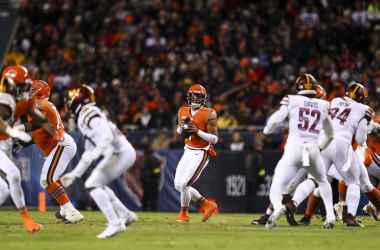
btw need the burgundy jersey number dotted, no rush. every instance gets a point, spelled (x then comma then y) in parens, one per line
(304, 125)
(342, 116)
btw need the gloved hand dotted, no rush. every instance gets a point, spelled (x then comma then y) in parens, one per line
(68, 179)
(18, 134)
(20, 145)
(367, 157)
(89, 156)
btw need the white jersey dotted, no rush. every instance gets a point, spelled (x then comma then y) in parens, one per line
(346, 116)
(8, 101)
(306, 116)
(98, 131)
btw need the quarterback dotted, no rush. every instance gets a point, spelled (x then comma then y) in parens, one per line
(200, 132)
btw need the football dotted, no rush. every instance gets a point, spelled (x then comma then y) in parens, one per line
(185, 129)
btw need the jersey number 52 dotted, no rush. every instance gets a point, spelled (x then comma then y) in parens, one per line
(304, 125)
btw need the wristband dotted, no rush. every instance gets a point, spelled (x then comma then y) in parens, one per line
(179, 130)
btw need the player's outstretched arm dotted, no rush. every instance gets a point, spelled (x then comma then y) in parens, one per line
(5, 114)
(276, 118)
(40, 118)
(329, 133)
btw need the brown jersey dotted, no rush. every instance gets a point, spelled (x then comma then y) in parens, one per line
(22, 107)
(201, 118)
(44, 140)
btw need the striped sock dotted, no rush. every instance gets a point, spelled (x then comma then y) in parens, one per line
(342, 193)
(58, 193)
(312, 204)
(200, 200)
(270, 209)
(184, 209)
(374, 198)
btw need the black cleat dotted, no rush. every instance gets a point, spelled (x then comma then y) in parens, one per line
(59, 216)
(290, 213)
(262, 221)
(305, 221)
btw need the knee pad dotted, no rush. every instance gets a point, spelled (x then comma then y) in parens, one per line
(366, 188)
(183, 187)
(14, 176)
(177, 187)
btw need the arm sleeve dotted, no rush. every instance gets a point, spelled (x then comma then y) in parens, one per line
(80, 169)
(207, 137)
(361, 132)
(276, 118)
(329, 133)
(104, 136)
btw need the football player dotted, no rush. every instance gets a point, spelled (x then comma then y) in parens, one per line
(103, 138)
(16, 100)
(307, 117)
(59, 154)
(300, 176)
(204, 132)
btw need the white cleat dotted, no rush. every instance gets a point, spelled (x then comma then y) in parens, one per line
(272, 221)
(73, 215)
(339, 210)
(62, 212)
(112, 230)
(329, 223)
(371, 210)
(130, 219)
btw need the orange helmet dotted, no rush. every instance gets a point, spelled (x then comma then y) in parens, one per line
(321, 93)
(196, 96)
(40, 89)
(16, 81)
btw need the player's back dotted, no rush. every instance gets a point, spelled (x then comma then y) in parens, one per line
(306, 116)
(346, 116)
(119, 142)
(44, 140)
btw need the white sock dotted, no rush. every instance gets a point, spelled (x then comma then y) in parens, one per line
(326, 194)
(14, 180)
(4, 191)
(317, 192)
(185, 195)
(194, 194)
(103, 201)
(68, 205)
(119, 207)
(269, 209)
(352, 198)
(303, 191)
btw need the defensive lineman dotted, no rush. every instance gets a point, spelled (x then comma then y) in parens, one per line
(102, 138)
(307, 116)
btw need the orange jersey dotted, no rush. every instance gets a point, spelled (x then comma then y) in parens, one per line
(200, 119)
(374, 145)
(22, 107)
(44, 140)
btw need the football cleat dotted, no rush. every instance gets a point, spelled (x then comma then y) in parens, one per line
(130, 219)
(305, 221)
(112, 230)
(61, 214)
(352, 221)
(329, 223)
(31, 226)
(73, 215)
(290, 213)
(339, 210)
(209, 207)
(371, 210)
(262, 221)
(273, 219)
(182, 217)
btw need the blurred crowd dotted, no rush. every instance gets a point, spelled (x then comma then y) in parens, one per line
(141, 57)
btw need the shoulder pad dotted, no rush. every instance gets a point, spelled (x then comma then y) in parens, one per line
(285, 100)
(211, 115)
(87, 115)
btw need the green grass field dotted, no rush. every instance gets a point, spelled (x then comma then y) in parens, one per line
(155, 231)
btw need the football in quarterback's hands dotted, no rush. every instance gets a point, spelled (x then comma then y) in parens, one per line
(185, 127)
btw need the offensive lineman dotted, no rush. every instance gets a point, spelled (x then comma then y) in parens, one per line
(15, 100)
(307, 116)
(197, 149)
(102, 138)
(59, 154)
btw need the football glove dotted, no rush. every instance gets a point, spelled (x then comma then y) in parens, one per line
(89, 156)
(20, 145)
(18, 134)
(68, 179)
